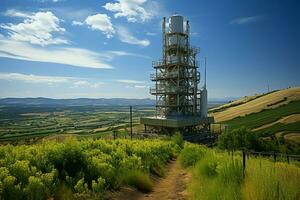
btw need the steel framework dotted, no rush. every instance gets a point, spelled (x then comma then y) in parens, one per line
(176, 77)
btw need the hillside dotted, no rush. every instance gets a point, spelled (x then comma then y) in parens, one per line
(253, 104)
(273, 114)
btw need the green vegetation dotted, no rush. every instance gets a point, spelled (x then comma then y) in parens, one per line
(238, 139)
(243, 138)
(267, 116)
(218, 175)
(235, 134)
(31, 123)
(83, 169)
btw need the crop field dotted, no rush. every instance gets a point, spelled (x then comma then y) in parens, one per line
(30, 123)
(269, 116)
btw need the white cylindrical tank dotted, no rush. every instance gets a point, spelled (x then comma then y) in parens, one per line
(203, 103)
(176, 26)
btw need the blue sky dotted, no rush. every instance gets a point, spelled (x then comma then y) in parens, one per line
(94, 48)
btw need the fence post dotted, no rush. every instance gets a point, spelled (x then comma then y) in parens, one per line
(244, 163)
(130, 109)
(287, 158)
(274, 155)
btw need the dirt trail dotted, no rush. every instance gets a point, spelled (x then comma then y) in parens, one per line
(171, 187)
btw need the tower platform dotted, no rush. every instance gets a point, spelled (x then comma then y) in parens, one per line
(176, 122)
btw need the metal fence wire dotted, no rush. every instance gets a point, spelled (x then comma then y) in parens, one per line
(275, 156)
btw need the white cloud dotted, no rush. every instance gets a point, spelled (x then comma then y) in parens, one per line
(83, 83)
(33, 78)
(101, 22)
(77, 23)
(133, 10)
(246, 20)
(151, 33)
(50, 80)
(131, 81)
(61, 55)
(36, 28)
(127, 37)
(16, 13)
(125, 53)
(77, 57)
(141, 86)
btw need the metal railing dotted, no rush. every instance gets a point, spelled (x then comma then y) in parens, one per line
(160, 63)
(165, 89)
(172, 75)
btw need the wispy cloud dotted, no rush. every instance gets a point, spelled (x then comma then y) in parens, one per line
(75, 82)
(88, 84)
(77, 57)
(131, 81)
(125, 36)
(34, 78)
(141, 86)
(77, 23)
(36, 28)
(247, 20)
(125, 53)
(151, 33)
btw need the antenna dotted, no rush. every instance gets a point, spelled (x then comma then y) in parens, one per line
(205, 75)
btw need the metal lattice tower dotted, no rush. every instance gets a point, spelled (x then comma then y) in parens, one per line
(180, 104)
(176, 77)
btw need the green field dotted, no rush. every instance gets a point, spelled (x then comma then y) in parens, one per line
(267, 116)
(18, 123)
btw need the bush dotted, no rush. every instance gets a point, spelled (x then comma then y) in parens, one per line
(35, 189)
(80, 169)
(191, 154)
(238, 139)
(207, 166)
(177, 139)
(139, 180)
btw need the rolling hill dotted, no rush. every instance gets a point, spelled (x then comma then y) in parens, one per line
(275, 113)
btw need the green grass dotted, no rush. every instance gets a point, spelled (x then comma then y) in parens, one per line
(255, 120)
(292, 127)
(218, 175)
(191, 154)
(268, 180)
(139, 180)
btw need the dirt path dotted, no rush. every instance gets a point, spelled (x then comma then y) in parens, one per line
(171, 187)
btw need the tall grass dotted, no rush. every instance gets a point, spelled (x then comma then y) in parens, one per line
(268, 180)
(138, 179)
(218, 175)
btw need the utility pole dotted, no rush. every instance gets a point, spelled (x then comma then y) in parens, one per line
(131, 122)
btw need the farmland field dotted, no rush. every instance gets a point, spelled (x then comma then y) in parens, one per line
(19, 123)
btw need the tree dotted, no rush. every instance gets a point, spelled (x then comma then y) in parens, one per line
(238, 139)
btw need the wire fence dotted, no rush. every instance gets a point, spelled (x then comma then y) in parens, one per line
(273, 155)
